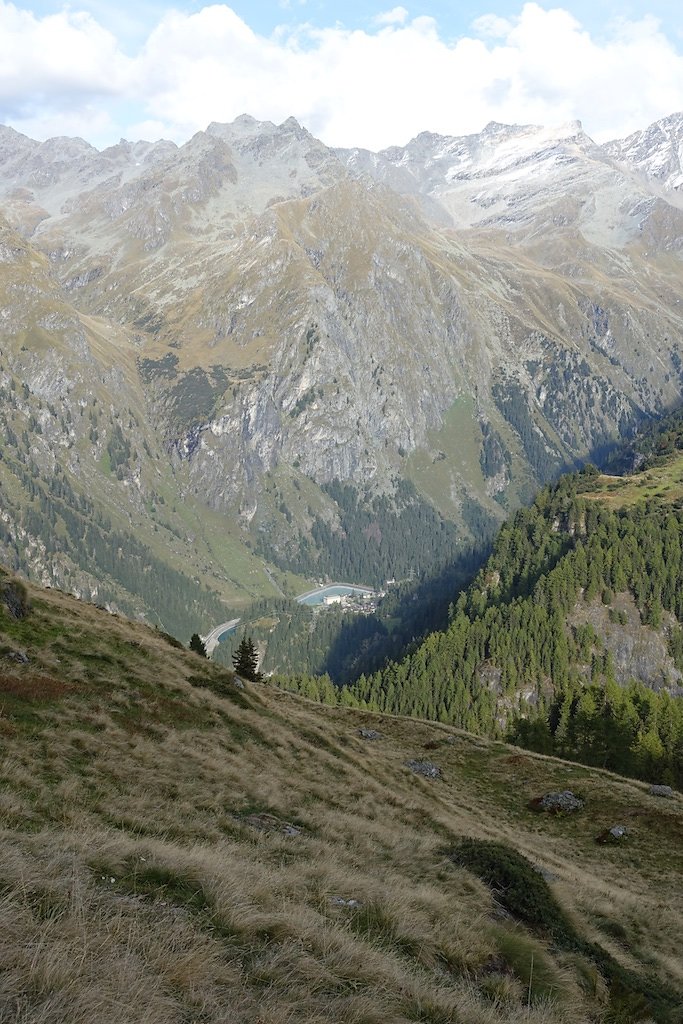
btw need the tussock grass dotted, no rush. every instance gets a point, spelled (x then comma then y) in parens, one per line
(133, 886)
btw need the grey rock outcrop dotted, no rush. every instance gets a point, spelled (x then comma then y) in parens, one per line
(615, 834)
(369, 734)
(564, 802)
(425, 768)
(663, 791)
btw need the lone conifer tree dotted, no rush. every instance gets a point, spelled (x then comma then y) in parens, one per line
(197, 645)
(245, 660)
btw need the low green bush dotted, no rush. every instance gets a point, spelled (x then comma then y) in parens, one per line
(520, 889)
(525, 894)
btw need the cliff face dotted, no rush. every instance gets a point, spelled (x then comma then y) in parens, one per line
(472, 314)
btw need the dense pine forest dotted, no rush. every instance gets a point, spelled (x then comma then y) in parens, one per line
(380, 537)
(520, 660)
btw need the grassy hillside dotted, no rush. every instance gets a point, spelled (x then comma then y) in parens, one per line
(175, 848)
(664, 481)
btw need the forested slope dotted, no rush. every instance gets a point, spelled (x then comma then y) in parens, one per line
(521, 656)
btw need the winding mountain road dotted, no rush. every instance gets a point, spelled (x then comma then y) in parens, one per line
(212, 639)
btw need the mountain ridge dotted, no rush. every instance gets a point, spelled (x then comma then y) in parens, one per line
(290, 322)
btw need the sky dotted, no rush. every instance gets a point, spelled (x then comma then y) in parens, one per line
(358, 73)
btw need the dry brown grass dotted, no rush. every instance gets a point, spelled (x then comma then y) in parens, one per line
(134, 888)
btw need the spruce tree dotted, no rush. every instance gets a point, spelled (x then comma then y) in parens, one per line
(245, 660)
(197, 645)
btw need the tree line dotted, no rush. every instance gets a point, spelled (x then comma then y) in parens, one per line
(510, 664)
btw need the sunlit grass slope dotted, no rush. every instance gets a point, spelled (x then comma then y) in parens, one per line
(664, 482)
(176, 849)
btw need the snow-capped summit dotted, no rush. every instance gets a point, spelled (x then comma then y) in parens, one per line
(656, 153)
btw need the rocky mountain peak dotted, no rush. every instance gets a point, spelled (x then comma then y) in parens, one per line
(245, 129)
(13, 148)
(473, 179)
(656, 153)
(61, 147)
(139, 152)
(286, 312)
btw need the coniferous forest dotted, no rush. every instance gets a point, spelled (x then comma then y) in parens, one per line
(380, 537)
(518, 661)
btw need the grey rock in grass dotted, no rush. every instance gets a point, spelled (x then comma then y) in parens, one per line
(19, 656)
(369, 734)
(665, 791)
(265, 822)
(426, 768)
(558, 803)
(339, 901)
(615, 834)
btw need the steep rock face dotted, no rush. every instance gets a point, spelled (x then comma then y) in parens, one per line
(502, 177)
(473, 313)
(338, 391)
(638, 651)
(655, 153)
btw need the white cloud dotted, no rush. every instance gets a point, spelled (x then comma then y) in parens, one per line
(350, 87)
(396, 16)
(88, 121)
(149, 131)
(61, 55)
(491, 26)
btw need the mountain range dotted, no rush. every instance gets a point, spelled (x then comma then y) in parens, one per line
(214, 351)
(234, 367)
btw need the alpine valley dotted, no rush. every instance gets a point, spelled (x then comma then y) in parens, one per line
(234, 367)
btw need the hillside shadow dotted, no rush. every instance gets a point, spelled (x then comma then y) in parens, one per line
(408, 613)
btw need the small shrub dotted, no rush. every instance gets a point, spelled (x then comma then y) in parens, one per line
(160, 883)
(531, 965)
(163, 883)
(504, 990)
(524, 893)
(519, 888)
(197, 645)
